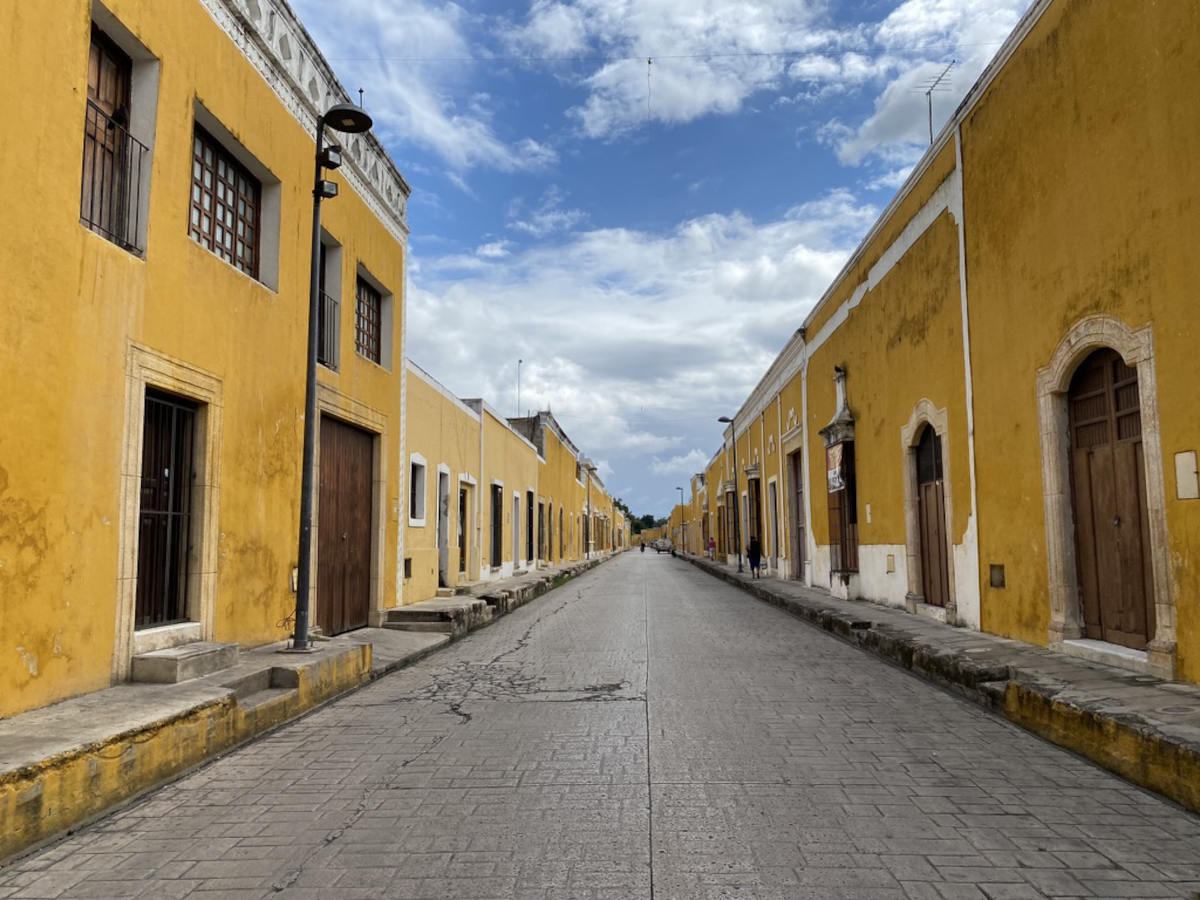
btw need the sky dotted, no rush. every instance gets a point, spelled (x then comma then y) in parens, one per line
(641, 200)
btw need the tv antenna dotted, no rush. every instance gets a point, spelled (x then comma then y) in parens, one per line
(938, 84)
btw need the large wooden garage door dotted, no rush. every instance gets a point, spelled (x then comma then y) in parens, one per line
(344, 527)
(1108, 477)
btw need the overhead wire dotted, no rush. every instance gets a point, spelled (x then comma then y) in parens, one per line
(657, 56)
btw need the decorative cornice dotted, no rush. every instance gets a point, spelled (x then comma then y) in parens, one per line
(272, 39)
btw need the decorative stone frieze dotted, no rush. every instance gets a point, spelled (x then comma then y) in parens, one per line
(275, 42)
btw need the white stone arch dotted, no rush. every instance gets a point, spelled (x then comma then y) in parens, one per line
(1136, 347)
(925, 413)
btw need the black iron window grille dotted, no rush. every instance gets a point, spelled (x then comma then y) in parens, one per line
(110, 201)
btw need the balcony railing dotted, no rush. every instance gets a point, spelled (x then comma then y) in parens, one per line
(110, 201)
(327, 331)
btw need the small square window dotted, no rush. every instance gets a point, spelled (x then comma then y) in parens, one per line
(996, 576)
(416, 493)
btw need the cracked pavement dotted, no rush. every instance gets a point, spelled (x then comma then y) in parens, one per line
(645, 731)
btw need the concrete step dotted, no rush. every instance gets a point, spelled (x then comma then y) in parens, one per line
(264, 686)
(183, 663)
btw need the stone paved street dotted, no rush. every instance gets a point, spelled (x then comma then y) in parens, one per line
(645, 731)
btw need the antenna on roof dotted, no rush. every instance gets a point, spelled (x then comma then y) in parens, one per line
(649, 63)
(939, 84)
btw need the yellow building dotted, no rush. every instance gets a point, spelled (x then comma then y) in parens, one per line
(490, 497)
(156, 264)
(988, 417)
(442, 442)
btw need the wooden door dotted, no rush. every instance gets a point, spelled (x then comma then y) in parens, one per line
(462, 531)
(529, 526)
(164, 514)
(443, 529)
(497, 525)
(796, 471)
(1108, 478)
(931, 519)
(105, 170)
(344, 527)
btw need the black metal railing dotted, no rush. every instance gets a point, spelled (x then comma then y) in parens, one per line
(327, 331)
(110, 201)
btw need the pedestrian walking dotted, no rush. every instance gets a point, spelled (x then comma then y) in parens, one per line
(754, 554)
(712, 548)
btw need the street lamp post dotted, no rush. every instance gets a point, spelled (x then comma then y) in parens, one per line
(737, 537)
(682, 521)
(348, 119)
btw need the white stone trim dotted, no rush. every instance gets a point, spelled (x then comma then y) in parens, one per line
(147, 367)
(415, 458)
(1136, 347)
(925, 413)
(966, 554)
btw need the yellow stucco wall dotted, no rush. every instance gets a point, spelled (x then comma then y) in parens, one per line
(512, 461)
(901, 344)
(74, 302)
(558, 487)
(445, 433)
(1086, 208)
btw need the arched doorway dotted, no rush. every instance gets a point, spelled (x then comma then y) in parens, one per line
(1108, 501)
(931, 519)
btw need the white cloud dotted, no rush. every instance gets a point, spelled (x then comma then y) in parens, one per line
(493, 250)
(684, 465)
(414, 59)
(547, 217)
(637, 341)
(709, 56)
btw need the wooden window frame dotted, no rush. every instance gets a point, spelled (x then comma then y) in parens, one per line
(225, 202)
(368, 321)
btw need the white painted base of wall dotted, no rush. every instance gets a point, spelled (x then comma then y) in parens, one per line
(966, 577)
(875, 582)
(504, 570)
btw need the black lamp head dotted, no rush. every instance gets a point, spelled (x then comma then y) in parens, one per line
(348, 119)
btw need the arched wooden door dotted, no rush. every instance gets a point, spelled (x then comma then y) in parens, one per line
(931, 516)
(1108, 487)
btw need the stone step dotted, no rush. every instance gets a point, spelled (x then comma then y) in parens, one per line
(183, 663)
(419, 615)
(445, 626)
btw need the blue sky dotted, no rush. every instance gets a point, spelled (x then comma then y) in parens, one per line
(645, 248)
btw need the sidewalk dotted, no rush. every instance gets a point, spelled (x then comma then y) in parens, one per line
(65, 764)
(1140, 727)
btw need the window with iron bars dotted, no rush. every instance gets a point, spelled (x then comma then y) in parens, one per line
(327, 317)
(368, 320)
(110, 197)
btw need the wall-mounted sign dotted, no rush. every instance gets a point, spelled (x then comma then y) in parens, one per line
(834, 477)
